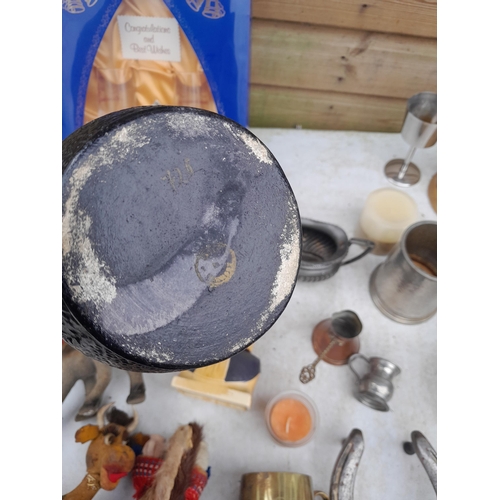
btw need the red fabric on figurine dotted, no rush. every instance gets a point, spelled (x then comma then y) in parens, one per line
(143, 473)
(197, 483)
(173, 470)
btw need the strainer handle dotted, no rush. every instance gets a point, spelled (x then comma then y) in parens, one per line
(370, 245)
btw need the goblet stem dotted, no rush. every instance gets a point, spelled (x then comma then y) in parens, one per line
(406, 164)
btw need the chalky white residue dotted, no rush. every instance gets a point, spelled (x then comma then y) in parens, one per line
(210, 216)
(155, 356)
(255, 146)
(94, 284)
(189, 125)
(130, 345)
(90, 280)
(285, 277)
(240, 345)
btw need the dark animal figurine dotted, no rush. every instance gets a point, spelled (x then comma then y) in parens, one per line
(96, 377)
(108, 458)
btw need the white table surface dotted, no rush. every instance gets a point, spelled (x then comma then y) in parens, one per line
(331, 174)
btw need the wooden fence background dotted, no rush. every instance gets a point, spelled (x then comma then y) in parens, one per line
(340, 64)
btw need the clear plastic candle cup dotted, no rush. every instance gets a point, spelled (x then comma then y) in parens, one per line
(385, 216)
(291, 418)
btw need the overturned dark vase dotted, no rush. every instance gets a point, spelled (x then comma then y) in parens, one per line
(181, 239)
(324, 248)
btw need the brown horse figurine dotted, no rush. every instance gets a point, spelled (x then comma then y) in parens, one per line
(96, 377)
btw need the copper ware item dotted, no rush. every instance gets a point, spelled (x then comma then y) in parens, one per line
(334, 340)
(375, 387)
(309, 372)
(404, 287)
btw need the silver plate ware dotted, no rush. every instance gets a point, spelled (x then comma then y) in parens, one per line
(324, 248)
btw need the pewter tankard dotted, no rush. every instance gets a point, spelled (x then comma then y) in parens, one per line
(404, 287)
(375, 388)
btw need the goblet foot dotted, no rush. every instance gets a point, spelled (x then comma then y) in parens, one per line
(411, 176)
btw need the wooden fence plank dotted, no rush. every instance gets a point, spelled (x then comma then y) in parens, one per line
(284, 108)
(407, 17)
(334, 59)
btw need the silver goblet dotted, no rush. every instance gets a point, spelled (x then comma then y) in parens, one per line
(420, 131)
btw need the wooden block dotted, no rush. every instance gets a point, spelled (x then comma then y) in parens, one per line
(284, 108)
(333, 59)
(411, 17)
(216, 371)
(213, 392)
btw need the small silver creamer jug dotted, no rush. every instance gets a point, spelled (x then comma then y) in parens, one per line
(375, 388)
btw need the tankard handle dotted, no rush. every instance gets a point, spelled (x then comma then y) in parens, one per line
(370, 245)
(352, 358)
(324, 496)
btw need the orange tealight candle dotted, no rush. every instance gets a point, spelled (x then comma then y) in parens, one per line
(291, 418)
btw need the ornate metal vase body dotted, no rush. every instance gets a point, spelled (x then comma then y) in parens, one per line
(181, 239)
(375, 388)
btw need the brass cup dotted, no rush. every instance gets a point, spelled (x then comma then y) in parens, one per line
(278, 486)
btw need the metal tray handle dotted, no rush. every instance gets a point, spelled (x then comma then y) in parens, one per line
(370, 245)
